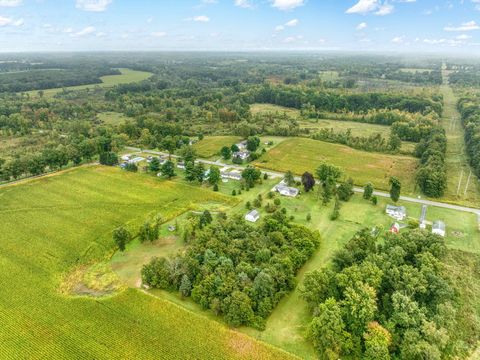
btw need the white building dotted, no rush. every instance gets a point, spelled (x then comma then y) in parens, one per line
(285, 190)
(181, 165)
(244, 155)
(242, 145)
(439, 228)
(126, 157)
(397, 212)
(423, 217)
(231, 175)
(136, 160)
(252, 216)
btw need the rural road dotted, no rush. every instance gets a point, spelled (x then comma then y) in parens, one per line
(356, 189)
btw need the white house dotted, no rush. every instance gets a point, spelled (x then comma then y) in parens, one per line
(439, 228)
(126, 157)
(252, 216)
(242, 145)
(181, 165)
(397, 212)
(136, 160)
(244, 155)
(285, 190)
(232, 175)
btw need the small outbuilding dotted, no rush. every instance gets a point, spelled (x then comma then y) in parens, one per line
(395, 228)
(439, 228)
(252, 216)
(423, 217)
(397, 212)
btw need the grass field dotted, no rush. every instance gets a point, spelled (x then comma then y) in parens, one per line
(300, 155)
(211, 145)
(127, 76)
(112, 118)
(55, 223)
(463, 186)
(274, 109)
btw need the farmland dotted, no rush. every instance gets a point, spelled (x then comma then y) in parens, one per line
(300, 155)
(211, 145)
(127, 76)
(58, 222)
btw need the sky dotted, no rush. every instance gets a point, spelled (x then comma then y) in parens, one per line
(416, 26)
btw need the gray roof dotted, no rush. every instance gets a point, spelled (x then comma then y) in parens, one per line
(400, 209)
(438, 225)
(254, 213)
(424, 213)
(290, 190)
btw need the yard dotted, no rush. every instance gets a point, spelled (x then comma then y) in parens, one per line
(211, 145)
(300, 155)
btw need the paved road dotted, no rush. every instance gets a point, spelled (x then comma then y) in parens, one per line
(358, 190)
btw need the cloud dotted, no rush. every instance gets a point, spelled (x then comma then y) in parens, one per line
(86, 31)
(463, 37)
(279, 28)
(201, 18)
(291, 39)
(384, 9)
(378, 7)
(398, 39)
(10, 3)
(291, 23)
(362, 26)
(286, 5)
(246, 4)
(466, 26)
(159, 34)
(93, 5)
(5, 21)
(363, 7)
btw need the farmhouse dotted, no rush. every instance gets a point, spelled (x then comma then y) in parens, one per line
(285, 190)
(439, 228)
(423, 216)
(242, 145)
(244, 155)
(136, 160)
(252, 216)
(232, 175)
(396, 212)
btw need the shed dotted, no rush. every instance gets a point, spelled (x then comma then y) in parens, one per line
(423, 217)
(252, 216)
(439, 228)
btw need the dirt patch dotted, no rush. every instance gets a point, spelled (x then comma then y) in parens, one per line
(458, 234)
(97, 280)
(242, 346)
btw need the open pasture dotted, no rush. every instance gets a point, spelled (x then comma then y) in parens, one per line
(58, 222)
(112, 118)
(300, 155)
(127, 76)
(211, 145)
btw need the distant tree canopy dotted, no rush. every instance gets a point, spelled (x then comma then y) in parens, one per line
(235, 269)
(469, 108)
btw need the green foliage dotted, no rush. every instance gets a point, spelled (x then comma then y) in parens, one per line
(132, 167)
(150, 230)
(336, 209)
(108, 158)
(289, 178)
(395, 189)
(168, 169)
(121, 237)
(214, 176)
(384, 295)
(154, 165)
(345, 190)
(368, 191)
(226, 153)
(251, 175)
(240, 271)
(253, 142)
(308, 181)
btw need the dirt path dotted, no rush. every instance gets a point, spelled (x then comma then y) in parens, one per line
(463, 185)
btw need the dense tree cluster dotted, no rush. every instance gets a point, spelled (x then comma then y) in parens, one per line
(237, 270)
(336, 102)
(432, 173)
(470, 110)
(383, 298)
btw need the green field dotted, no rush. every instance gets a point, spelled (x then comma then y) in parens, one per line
(463, 186)
(50, 226)
(112, 118)
(274, 109)
(211, 145)
(300, 155)
(127, 76)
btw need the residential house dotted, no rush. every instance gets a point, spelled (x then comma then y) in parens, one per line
(242, 145)
(439, 228)
(244, 155)
(126, 157)
(252, 216)
(136, 160)
(397, 212)
(232, 175)
(285, 190)
(423, 217)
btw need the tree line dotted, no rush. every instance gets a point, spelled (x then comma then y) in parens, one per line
(469, 108)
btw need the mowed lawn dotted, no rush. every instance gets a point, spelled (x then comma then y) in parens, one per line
(211, 145)
(57, 222)
(127, 76)
(300, 155)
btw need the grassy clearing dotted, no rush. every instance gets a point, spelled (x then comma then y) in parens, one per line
(463, 186)
(357, 129)
(112, 118)
(55, 224)
(415, 70)
(274, 109)
(300, 155)
(329, 75)
(127, 76)
(211, 145)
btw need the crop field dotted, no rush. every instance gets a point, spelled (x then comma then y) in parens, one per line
(127, 76)
(300, 155)
(211, 145)
(55, 223)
